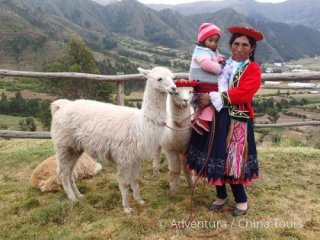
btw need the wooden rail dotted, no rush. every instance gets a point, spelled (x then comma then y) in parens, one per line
(71, 75)
(23, 134)
(120, 79)
(294, 76)
(47, 135)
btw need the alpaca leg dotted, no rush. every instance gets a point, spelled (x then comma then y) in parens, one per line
(135, 175)
(51, 184)
(74, 186)
(124, 173)
(174, 171)
(156, 162)
(66, 161)
(72, 177)
(186, 170)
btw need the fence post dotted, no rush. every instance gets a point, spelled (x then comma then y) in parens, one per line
(120, 91)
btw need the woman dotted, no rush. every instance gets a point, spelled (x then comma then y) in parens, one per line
(228, 153)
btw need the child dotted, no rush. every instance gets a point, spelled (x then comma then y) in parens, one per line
(206, 65)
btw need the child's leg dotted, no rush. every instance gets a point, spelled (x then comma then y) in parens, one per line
(203, 124)
(205, 117)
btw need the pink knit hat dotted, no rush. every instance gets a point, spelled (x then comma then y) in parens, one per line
(206, 30)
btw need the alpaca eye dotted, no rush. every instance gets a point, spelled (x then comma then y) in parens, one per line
(159, 79)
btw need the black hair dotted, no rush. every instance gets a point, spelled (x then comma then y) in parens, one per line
(201, 44)
(252, 41)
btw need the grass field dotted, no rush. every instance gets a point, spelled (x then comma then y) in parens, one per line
(12, 123)
(309, 63)
(9, 122)
(284, 203)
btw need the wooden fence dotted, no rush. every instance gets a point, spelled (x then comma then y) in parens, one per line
(120, 79)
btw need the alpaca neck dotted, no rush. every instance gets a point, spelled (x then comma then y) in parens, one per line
(177, 112)
(154, 105)
(154, 117)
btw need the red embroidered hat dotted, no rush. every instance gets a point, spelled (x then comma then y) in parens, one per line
(249, 31)
(186, 83)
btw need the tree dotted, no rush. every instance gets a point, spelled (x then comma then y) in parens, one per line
(77, 58)
(4, 104)
(109, 42)
(45, 114)
(17, 104)
(273, 115)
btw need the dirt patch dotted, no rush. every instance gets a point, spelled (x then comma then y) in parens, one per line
(26, 94)
(32, 95)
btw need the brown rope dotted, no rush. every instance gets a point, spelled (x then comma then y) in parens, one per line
(211, 138)
(177, 123)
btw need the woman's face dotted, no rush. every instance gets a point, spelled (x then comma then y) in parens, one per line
(241, 49)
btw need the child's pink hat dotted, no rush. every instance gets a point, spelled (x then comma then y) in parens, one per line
(206, 30)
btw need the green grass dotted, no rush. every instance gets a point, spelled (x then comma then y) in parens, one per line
(9, 122)
(312, 98)
(284, 203)
(12, 123)
(309, 63)
(19, 84)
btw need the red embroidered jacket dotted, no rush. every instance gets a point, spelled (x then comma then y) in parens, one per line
(240, 95)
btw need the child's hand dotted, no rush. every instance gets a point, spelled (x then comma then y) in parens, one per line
(203, 100)
(221, 61)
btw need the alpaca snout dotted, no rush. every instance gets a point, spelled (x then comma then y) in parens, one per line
(185, 102)
(172, 90)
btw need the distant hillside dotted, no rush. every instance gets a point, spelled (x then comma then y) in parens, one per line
(304, 12)
(34, 32)
(27, 35)
(104, 2)
(130, 17)
(85, 13)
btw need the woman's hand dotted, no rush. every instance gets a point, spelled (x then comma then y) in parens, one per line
(203, 100)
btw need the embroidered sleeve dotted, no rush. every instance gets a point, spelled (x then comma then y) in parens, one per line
(248, 86)
(225, 98)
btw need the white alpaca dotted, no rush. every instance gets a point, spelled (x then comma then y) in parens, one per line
(106, 131)
(175, 142)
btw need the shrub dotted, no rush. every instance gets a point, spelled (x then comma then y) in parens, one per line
(28, 124)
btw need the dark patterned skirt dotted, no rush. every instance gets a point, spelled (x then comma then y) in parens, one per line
(213, 167)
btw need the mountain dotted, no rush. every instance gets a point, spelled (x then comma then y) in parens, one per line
(105, 2)
(28, 35)
(34, 32)
(305, 12)
(84, 13)
(195, 7)
(130, 17)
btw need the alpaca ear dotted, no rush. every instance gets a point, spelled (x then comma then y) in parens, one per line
(144, 71)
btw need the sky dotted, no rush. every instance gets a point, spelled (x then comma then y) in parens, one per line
(188, 1)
